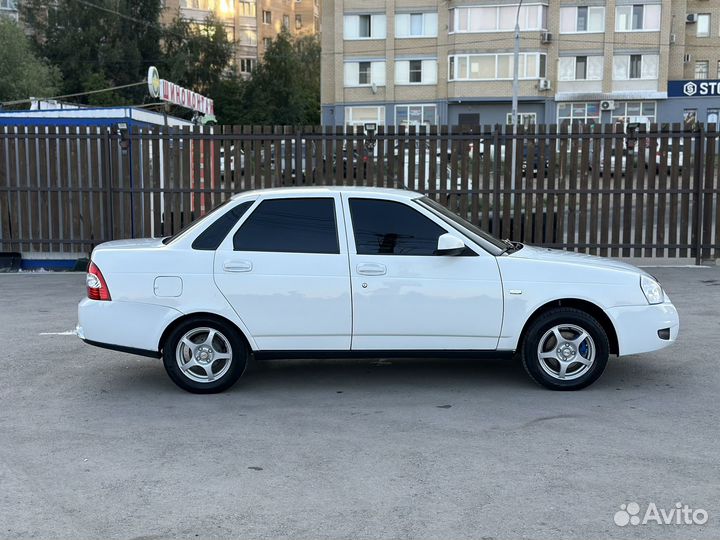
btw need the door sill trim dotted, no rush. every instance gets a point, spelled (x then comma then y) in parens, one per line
(393, 353)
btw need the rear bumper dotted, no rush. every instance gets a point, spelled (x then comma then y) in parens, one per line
(637, 327)
(124, 326)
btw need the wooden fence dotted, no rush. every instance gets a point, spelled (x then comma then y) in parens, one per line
(593, 189)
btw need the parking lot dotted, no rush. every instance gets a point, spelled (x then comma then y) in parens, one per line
(98, 443)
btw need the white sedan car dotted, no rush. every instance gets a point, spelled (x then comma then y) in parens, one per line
(310, 272)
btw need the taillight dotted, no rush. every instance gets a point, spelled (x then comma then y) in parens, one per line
(97, 289)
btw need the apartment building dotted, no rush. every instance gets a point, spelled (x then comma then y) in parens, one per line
(437, 62)
(8, 8)
(251, 24)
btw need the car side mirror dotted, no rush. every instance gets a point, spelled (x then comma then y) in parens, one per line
(449, 244)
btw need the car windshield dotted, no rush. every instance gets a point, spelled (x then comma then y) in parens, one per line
(465, 227)
(194, 223)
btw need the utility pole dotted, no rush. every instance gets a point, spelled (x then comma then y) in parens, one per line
(516, 67)
(515, 92)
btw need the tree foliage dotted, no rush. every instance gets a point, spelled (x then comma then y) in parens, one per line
(109, 43)
(196, 55)
(284, 88)
(22, 73)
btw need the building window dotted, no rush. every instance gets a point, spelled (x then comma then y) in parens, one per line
(702, 69)
(703, 25)
(479, 67)
(497, 18)
(364, 26)
(415, 115)
(365, 73)
(360, 115)
(415, 25)
(246, 9)
(635, 66)
(713, 115)
(416, 71)
(298, 22)
(267, 17)
(585, 113)
(523, 119)
(267, 42)
(580, 68)
(248, 38)
(582, 19)
(637, 17)
(316, 24)
(286, 22)
(247, 65)
(634, 111)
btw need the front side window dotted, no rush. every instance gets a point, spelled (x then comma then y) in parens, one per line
(392, 228)
(267, 17)
(290, 226)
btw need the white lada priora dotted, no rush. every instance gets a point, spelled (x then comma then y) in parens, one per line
(309, 272)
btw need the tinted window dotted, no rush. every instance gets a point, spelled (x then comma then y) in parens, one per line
(391, 228)
(290, 225)
(212, 237)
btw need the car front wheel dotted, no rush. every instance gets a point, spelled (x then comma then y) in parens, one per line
(565, 349)
(204, 356)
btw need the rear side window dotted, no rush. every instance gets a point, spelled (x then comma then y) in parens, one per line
(392, 228)
(290, 226)
(211, 238)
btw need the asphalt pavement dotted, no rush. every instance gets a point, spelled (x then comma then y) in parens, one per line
(101, 444)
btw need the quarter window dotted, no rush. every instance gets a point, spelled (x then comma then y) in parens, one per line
(290, 226)
(212, 237)
(392, 228)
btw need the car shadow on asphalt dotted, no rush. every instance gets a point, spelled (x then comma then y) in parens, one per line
(388, 375)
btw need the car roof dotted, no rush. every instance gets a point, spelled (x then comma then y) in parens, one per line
(315, 190)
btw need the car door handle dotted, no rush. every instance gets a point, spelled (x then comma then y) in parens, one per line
(237, 266)
(371, 269)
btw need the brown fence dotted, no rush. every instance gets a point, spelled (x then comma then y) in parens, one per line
(595, 189)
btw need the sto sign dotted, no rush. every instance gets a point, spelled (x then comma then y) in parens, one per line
(695, 88)
(177, 95)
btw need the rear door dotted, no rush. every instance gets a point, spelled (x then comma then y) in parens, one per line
(284, 269)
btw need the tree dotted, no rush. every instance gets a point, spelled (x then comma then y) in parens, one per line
(196, 55)
(285, 86)
(99, 44)
(22, 73)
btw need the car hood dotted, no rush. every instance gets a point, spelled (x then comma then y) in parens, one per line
(569, 257)
(133, 243)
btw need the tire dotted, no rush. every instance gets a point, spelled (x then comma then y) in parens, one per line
(210, 366)
(582, 345)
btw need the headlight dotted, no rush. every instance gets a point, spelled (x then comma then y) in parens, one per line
(651, 289)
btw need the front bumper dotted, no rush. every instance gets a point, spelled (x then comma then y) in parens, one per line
(637, 327)
(126, 326)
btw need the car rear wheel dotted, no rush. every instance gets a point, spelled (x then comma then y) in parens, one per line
(205, 356)
(565, 349)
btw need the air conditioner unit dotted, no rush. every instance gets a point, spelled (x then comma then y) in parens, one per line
(687, 58)
(544, 84)
(673, 39)
(691, 18)
(607, 105)
(546, 37)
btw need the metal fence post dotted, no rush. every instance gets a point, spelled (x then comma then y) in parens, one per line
(698, 168)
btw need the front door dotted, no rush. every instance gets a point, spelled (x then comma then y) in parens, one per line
(407, 297)
(285, 272)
